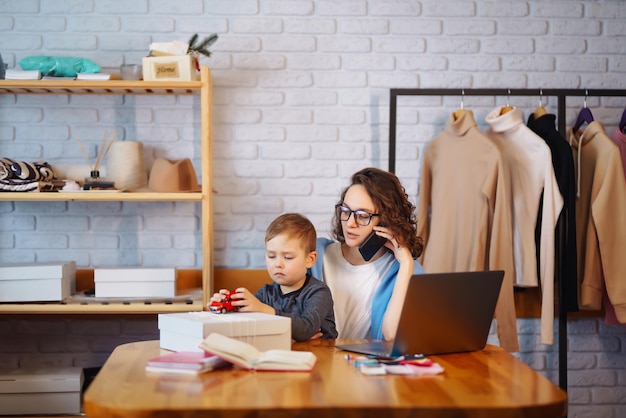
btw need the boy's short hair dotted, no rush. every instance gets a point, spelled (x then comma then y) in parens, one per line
(295, 226)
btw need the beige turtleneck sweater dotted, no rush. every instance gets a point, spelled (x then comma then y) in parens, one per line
(600, 219)
(462, 213)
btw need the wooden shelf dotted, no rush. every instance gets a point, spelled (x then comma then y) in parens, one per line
(203, 280)
(188, 283)
(100, 87)
(117, 307)
(100, 196)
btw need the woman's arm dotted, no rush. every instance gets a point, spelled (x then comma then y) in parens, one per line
(392, 314)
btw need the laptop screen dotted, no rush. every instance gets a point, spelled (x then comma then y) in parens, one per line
(442, 313)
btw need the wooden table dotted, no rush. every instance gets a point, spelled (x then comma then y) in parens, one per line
(487, 383)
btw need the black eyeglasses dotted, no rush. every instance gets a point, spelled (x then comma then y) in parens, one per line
(362, 217)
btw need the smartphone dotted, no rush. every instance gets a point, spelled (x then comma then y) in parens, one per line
(371, 245)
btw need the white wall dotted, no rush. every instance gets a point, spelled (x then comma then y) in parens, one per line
(301, 101)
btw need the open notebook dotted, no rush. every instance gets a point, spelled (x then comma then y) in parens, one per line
(442, 313)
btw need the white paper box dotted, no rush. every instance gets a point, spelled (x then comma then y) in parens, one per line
(37, 282)
(170, 68)
(41, 391)
(185, 331)
(135, 282)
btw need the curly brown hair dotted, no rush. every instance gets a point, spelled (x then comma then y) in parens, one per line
(392, 202)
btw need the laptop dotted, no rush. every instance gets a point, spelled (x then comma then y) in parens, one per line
(442, 313)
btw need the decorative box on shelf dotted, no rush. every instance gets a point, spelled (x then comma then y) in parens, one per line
(41, 391)
(170, 68)
(40, 282)
(135, 282)
(185, 331)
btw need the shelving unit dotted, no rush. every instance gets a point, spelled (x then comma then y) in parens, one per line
(203, 88)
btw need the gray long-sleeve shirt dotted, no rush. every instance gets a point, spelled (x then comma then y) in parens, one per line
(310, 308)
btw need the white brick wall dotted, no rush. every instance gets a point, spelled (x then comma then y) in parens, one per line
(301, 101)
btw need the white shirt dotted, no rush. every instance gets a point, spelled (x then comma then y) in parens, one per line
(531, 177)
(353, 289)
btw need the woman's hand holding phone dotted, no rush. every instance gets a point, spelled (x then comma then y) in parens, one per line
(370, 246)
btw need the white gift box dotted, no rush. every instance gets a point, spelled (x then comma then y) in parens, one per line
(185, 331)
(37, 282)
(41, 391)
(135, 282)
(170, 68)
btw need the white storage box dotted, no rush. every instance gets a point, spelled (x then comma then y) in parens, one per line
(37, 282)
(185, 331)
(170, 68)
(135, 282)
(41, 391)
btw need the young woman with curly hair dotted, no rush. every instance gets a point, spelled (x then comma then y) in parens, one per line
(369, 294)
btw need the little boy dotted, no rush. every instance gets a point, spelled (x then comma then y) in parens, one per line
(289, 252)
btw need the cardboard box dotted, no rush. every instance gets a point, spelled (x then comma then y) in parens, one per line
(135, 282)
(37, 282)
(170, 68)
(41, 391)
(184, 331)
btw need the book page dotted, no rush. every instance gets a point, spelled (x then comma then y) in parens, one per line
(247, 356)
(235, 351)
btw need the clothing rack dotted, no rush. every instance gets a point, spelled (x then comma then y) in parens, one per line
(561, 95)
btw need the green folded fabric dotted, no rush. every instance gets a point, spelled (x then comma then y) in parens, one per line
(59, 66)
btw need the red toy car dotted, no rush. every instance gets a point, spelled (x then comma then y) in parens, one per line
(224, 305)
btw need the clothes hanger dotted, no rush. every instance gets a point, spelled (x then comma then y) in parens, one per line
(622, 123)
(584, 116)
(507, 107)
(461, 110)
(540, 110)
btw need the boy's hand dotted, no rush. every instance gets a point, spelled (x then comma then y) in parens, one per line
(247, 302)
(217, 297)
(317, 335)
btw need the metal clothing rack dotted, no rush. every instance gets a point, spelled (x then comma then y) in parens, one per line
(561, 95)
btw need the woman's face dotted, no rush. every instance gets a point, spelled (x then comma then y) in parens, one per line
(357, 198)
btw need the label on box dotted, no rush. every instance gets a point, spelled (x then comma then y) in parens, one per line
(166, 70)
(170, 68)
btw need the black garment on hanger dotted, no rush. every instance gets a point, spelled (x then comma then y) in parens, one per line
(565, 233)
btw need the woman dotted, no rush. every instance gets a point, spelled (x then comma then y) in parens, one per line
(369, 294)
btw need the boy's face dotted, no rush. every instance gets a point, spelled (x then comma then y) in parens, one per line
(287, 261)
